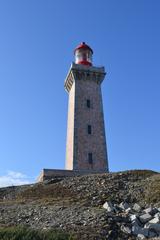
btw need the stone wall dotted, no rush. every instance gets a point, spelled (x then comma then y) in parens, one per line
(84, 83)
(47, 174)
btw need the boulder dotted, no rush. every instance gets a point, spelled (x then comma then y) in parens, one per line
(133, 217)
(155, 220)
(145, 218)
(108, 206)
(148, 210)
(136, 207)
(152, 234)
(141, 236)
(157, 215)
(138, 230)
(153, 226)
(126, 229)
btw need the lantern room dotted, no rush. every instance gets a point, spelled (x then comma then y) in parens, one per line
(83, 54)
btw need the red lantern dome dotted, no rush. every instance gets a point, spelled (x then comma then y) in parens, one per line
(83, 54)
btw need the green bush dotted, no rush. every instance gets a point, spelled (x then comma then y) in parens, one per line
(23, 233)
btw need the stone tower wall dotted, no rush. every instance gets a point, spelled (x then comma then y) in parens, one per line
(82, 84)
(70, 129)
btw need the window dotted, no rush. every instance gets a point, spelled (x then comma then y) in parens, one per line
(89, 129)
(90, 158)
(88, 103)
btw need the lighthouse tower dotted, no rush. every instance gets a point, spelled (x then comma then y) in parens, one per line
(86, 142)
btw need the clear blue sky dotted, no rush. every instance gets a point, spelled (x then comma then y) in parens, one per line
(37, 39)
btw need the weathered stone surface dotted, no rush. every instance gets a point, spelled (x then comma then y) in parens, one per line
(138, 230)
(108, 206)
(148, 210)
(157, 215)
(126, 229)
(141, 236)
(153, 226)
(154, 220)
(133, 217)
(145, 217)
(151, 210)
(152, 234)
(84, 83)
(136, 207)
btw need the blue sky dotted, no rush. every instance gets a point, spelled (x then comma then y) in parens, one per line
(37, 39)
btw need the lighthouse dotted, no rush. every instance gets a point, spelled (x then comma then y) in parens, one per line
(86, 148)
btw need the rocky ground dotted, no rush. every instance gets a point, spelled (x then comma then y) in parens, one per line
(123, 205)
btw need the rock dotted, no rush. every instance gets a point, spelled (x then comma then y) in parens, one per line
(137, 223)
(133, 217)
(154, 220)
(138, 230)
(117, 208)
(124, 205)
(157, 215)
(126, 229)
(152, 234)
(148, 210)
(128, 210)
(136, 207)
(151, 210)
(140, 236)
(75, 204)
(153, 226)
(145, 218)
(108, 206)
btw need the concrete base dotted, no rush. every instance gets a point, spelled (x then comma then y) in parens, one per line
(47, 174)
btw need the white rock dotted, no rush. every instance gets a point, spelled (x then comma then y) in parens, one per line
(141, 236)
(145, 218)
(128, 210)
(136, 207)
(154, 220)
(148, 210)
(133, 217)
(157, 215)
(125, 229)
(108, 206)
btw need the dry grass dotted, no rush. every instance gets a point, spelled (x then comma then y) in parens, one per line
(152, 195)
(53, 192)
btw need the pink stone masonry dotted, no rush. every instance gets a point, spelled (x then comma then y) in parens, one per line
(84, 83)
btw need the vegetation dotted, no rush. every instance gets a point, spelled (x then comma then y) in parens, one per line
(153, 190)
(23, 233)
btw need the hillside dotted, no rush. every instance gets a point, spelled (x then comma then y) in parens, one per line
(75, 205)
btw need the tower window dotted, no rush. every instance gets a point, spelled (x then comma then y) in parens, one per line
(89, 129)
(88, 103)
(90, 158)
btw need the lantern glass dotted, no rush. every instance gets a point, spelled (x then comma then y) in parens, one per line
(83, 56)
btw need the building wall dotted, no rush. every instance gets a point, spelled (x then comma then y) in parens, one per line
(95, 142)
(70, 128)
(85, 85)
(48, 174)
